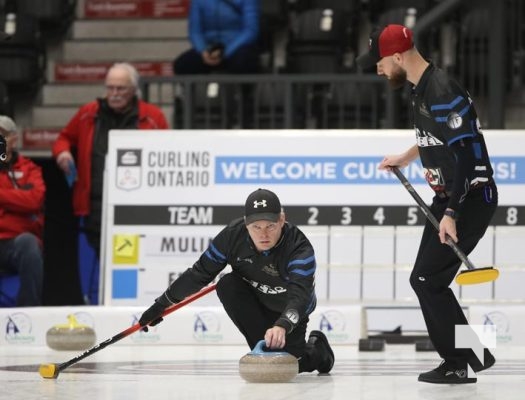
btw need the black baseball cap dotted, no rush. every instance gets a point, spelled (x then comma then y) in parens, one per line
(386, 41)
(262, 204)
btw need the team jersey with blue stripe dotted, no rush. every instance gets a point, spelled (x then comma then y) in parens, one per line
(282, 278)
(451, 146)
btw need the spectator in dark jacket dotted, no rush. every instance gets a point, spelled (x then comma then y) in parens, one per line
(22, 192)
(224, 36)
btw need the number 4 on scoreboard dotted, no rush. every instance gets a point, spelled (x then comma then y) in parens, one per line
(379, 215)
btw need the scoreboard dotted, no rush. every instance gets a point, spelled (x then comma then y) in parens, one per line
(312, 215)
(168, 193)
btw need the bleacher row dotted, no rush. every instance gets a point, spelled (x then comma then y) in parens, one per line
(61, 47)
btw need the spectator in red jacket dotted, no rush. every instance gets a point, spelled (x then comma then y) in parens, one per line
(87, 133)
(22, 192)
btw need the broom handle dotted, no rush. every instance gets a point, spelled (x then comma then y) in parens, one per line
(464, 259)
(135, 328)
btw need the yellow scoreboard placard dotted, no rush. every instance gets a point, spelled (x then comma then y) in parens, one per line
(125, 249)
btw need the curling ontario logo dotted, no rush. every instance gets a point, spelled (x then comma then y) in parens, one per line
(129, 169)
(207, 327)
(18, 329)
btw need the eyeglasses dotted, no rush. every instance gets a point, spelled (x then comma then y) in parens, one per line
(118, 89)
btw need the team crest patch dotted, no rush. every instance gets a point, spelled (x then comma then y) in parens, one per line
(454, 120)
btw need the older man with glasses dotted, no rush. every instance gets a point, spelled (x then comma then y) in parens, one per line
(87, 134)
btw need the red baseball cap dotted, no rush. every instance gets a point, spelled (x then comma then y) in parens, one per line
(384, 42)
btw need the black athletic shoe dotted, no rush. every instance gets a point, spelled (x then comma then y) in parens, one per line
(324, 351)
(447, 373)
(489, 361)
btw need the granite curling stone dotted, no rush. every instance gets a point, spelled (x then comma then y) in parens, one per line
(260, 366)
(71, 336)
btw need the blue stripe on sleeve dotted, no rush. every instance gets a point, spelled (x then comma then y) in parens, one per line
(448, 106)
(301, 262)
(311, 306)
(303, 272)
(464, 110)
(477, 150)
(217, 256)
(459, 137)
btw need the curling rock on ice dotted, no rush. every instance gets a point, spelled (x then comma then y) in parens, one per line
(259, 366)
(71, 336)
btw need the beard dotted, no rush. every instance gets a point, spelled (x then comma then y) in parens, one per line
(398, 78)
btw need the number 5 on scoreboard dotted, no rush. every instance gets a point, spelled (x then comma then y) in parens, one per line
(412, 215)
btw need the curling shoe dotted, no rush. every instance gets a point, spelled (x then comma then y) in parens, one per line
(447, 373)
(325, 355)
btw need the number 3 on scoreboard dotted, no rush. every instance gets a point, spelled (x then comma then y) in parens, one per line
(346, 215)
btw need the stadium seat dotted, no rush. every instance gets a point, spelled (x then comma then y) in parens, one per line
(5, 102)
(53, 15)
(209, 106)
(22, 57)
(349, 106)
(9, 286)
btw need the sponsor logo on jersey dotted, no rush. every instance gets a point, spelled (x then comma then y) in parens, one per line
(247, 260)
(270, 270)
(263, 288)
(423, 110)
(435, 179)
(426, 139)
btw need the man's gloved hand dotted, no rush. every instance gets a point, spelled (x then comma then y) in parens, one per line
(152, 316)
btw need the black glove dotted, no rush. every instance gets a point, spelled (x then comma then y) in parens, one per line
(152, 316)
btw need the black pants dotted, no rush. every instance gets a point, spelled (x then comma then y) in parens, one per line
(436, 266)
(253, 319)
(92, 229)
(244, 61)
(22, 255)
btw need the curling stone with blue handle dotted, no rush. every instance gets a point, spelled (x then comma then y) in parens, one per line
(260, 366)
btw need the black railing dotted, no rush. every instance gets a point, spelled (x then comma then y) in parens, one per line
(488, 62)
(276, 101)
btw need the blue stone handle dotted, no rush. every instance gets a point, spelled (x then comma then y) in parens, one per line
(258, 350)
